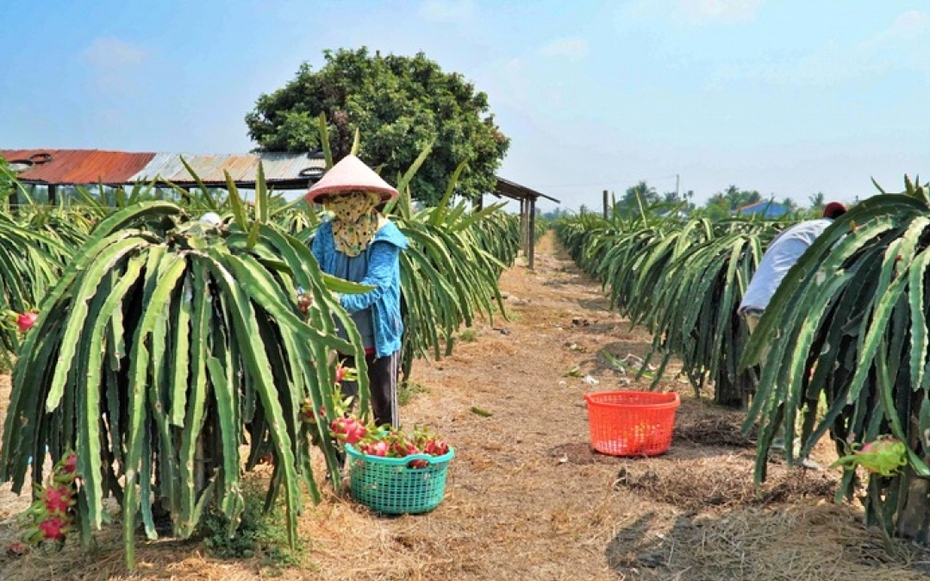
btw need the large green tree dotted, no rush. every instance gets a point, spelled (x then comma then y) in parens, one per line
(400, 105)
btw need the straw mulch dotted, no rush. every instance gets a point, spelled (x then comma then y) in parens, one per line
(796, 543)
(526, 497)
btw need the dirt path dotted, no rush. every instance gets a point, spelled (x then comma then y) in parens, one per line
(527, 499)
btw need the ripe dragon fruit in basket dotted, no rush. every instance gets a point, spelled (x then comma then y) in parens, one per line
(390, 442)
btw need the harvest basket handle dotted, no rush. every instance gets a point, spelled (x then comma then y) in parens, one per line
(356, 453)
(427, 457)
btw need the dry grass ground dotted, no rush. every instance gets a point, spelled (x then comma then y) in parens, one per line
(527, 498)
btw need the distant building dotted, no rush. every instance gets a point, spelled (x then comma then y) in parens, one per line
(54, 168)
(764, 209)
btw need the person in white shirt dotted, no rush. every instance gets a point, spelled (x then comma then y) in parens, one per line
(778, 259)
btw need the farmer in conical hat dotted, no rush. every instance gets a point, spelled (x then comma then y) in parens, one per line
(361, 245)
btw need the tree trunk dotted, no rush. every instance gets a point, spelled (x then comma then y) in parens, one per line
(733, 393)
(913, 516)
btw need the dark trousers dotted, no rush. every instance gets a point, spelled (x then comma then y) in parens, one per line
(382, 379)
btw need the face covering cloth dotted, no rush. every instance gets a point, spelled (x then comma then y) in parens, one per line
(355, 220)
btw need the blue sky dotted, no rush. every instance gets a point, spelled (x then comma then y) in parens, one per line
(788, 98)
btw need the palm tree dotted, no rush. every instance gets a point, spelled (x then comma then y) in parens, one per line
(636, 199)
(790, 205)
(817, 202)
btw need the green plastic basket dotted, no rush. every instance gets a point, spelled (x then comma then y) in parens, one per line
(390, 486)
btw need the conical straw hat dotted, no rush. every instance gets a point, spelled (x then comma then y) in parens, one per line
(348, 175)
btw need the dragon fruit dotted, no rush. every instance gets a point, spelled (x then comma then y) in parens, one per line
(57, 499)
(886, 456)
(25, 321)
(53, 511)
(348, 430)
(53, 528)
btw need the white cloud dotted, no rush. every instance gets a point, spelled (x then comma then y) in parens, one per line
(109, 53)
(907, 27)
(113, 62)
(720, 10)
(447, 10)
(689, 12)
(571, 48)
(910, 24)
(902, 46)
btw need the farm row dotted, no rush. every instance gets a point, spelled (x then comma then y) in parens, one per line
(161, 340)
(843, 344)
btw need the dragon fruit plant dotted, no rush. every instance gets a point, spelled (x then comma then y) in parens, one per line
(166, 340)
(31, 259)
(853, 309)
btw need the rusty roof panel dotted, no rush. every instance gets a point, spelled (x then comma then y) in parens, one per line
(75, 166)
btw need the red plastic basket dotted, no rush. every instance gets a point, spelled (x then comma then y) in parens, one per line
(631, 423)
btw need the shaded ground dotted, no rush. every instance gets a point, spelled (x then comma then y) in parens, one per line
(527, 498)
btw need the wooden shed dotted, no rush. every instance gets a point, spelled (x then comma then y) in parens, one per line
(527, 198)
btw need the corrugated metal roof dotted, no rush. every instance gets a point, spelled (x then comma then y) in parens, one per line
(768, 209)
(75, 166)
(242, 168)
(79, 166)
(515, 191)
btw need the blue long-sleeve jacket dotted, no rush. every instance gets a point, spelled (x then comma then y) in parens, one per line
(383, 272)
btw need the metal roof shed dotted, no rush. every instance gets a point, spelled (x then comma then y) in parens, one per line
(54, 167)
(527, 198)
